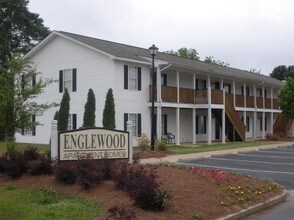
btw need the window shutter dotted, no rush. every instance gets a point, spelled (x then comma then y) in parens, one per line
(34, 128)
(139, 79)
(242, 90)
(165, 123)
(125, 121)
(205, 124)
(205, 84)
(22, 82)
(60, 81)
(196, 83)
(139, 125)
(34, 80)
(230, 88)
(74, 80)
(74, 121)
(126, 78)
(196, 124)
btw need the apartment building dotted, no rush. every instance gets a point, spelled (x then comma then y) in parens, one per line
(195, 101)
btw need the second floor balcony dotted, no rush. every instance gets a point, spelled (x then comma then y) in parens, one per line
(200, 96)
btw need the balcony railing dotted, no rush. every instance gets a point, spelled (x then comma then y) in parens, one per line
(199, 96)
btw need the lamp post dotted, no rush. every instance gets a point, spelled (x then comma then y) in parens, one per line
(153, 51)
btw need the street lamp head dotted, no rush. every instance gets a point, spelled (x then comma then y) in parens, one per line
(153, 50)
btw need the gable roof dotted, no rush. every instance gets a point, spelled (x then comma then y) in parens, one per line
(122, 51)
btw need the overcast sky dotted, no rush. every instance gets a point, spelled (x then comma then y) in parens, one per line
(247, 34)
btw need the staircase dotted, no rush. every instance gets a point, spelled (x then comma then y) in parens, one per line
(235, 128)
(282, 125)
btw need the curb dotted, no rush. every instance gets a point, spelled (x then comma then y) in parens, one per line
(254, 209)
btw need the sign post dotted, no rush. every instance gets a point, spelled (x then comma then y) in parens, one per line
(54, 140)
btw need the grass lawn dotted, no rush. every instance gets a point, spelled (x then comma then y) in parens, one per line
(20, 146)
(17, 203)
(213, 147)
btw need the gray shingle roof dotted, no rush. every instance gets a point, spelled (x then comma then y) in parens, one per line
(136, 53)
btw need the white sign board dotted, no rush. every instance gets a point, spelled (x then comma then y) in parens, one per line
(98, 143)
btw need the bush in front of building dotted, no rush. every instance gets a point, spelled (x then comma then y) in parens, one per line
(63, 112)
(65, 173)
(143, 142)
(161, 144)
(90, 108)
(120, 213)
(141, 184)
(109, 111)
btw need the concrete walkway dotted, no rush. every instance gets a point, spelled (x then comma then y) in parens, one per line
(186, 157)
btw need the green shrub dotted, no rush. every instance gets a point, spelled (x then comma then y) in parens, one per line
(143, 142)
(161, 144)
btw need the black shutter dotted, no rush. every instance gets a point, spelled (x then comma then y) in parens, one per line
(230, 88)
(205, 84)
(196, 83)
(60, 81)
(126, 78)
(74, 80)
(74, 121)
(242, 90)
(164, 79)
(22, 82)
(165, 123)
(125, 120)
(196, 124)
(34, 80)
(265, 123)
(205, 124)
(34, 127)
(139, 125)
(139, 79)
(216, 85)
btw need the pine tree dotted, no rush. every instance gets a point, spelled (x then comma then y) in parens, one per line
(63, 112)
(90, 107)
(56, 116)
(109, 111)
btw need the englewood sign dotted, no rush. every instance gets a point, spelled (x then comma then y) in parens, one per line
(99, 143)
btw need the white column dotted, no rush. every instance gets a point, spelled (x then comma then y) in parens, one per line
(234, 93)
(224, 119)
(254, 128)
(158, 84)
(158, 122)
(208, 83)
(178, 86)
(272, 98)
(221, 84)
(263, 98)
(208, 131)
(54, 140)
(194, 125)
(129, 129)
(194, 87)
(178, 126)
(272, 123)
(263, 125)
(244, 94)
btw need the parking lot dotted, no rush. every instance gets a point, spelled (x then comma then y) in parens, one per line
(275, 164)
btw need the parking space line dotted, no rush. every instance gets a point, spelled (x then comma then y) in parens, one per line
(278, 152)
(237, 169)
(251, 161)
(254, 155)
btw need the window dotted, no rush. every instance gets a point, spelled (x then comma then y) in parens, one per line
(68, 80)
(27, 82)
(136, 123)
(200, 84)
(132, 78)
(247, 90)
(200, 124)
(30, 131)
(72, 122)
(163, 79)
(227, 87)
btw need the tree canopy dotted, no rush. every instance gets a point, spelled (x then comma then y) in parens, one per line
(282, 72)
(194, 55)
(186, 53)
(20, 29)
(90, 108)
(286, 98)
(19, 85)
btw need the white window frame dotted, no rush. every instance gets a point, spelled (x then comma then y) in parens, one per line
(134, 118)
(28, 131)
(67, 79)
(133, 78)
(69, 122)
